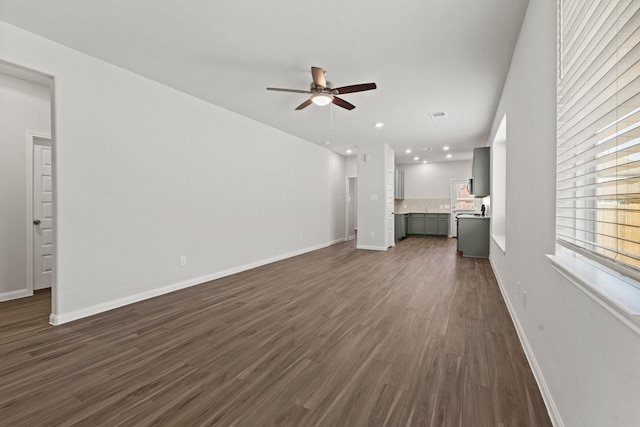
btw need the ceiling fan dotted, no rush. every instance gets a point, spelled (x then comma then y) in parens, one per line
(323, 93)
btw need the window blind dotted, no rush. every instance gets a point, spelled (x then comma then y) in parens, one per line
(598, 131)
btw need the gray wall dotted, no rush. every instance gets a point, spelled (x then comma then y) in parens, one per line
(587, 360)
(24, 107)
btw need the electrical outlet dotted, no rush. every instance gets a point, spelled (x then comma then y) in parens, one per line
(183, 261)
(372, 234)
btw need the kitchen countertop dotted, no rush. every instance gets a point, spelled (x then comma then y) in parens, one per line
(433, 211)
(472, 216)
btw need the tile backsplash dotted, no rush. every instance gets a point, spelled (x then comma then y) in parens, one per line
(436, 205)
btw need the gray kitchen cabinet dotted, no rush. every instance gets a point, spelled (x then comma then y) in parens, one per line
(399, 184)
(481, 171)
(401, 226)
(431, 224)
(473, 236)
(443, 224)
(416, 223)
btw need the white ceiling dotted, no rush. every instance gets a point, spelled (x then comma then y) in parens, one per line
(424, 55)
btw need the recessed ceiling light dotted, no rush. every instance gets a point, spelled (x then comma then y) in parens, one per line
(424, 161)
(445, 148)
(379, 125)
(349, 151)
(449, 156)
(327, 142)
(438, 114)
(416, 158)
(408, 151)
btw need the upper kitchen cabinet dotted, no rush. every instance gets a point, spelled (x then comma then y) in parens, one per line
(481, 171)
(399, 184)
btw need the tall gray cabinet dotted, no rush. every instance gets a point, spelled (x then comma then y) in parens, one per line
(399, 184)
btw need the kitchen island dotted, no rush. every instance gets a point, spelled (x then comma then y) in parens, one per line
(473, 235)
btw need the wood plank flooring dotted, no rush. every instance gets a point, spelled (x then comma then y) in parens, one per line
(416, 336)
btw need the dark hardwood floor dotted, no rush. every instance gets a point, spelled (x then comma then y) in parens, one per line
(416, 336)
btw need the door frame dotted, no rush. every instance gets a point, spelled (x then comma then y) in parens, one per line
(453, 231)
(32, 138)
(349, 205)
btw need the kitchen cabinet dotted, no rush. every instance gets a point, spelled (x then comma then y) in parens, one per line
(443, 224)
(481, 171)
(401, 226)
(416, 223)
(473, 236)
(431, 224)
(399, 184)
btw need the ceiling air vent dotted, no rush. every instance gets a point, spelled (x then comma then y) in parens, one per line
(438, 114)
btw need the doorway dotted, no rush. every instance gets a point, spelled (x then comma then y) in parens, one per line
(352, 208)
(26, 101)
(461, 202)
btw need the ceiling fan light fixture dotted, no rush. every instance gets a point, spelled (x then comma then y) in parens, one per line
(321, 99)
(323, 93)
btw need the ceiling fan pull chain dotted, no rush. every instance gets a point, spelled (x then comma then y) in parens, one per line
(331, 117)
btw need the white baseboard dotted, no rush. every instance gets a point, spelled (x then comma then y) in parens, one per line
(22, 293)
(552, 409)
(59, 319)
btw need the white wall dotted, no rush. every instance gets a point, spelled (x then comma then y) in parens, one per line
(146, 174)
(587, 360)
(373, 162)
(433, 180)
(24, 107)
(337, 192)
(351, 167)
(498, 197)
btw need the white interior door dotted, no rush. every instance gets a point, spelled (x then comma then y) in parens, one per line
(42, 214)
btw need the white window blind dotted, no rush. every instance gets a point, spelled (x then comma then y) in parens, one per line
(598, 147)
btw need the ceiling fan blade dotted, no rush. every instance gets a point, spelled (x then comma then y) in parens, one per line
(342, 103)
(355, 88)
(318, 76)
(288, 90)
(305, 104)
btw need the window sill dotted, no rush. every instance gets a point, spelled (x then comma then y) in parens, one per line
(501, 241)
(609, 289)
